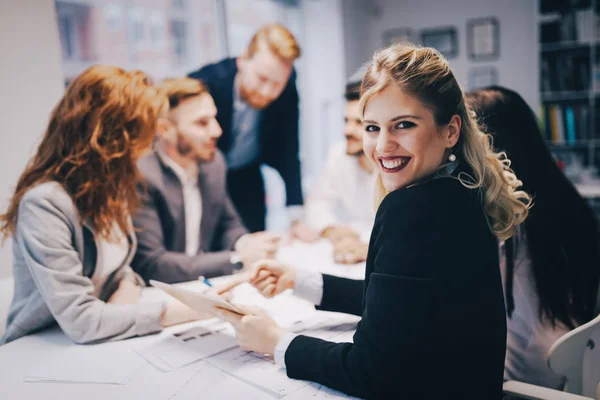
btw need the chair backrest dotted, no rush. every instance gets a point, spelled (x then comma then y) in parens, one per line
(591, 365)
(576, 356)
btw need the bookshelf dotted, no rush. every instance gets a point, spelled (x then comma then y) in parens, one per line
(570, 79)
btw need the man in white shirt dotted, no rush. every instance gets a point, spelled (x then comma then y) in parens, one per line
(341, 206)
(186, 225)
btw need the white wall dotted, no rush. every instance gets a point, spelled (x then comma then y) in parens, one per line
(356, 16)
(517, 65)
(31, 83)
(323, 81)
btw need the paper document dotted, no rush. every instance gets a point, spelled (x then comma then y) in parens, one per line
(262, 371)
(107, 363)
(171, 351)
(201, 302)
(333, 327)
(315, 391)
(256, 369)
(285, 308)
(212, 383)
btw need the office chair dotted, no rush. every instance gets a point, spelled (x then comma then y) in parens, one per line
(576, 356)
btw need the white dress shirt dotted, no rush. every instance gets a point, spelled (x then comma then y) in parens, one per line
(528, 337)
(111, 256)
(308, 286)
(343, 194)
(192, 201)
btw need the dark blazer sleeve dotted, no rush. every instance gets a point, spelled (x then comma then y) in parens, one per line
(283, 147)
(205, 74)
(393, 338)
(349, 303)
(153, 261)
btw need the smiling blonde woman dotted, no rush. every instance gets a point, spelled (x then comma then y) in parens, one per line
(431, 302)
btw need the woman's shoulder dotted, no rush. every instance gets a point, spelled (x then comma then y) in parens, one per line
(48, 191)
(435, 195)
(47, 198)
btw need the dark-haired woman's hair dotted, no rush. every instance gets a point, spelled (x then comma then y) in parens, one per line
(561, 231)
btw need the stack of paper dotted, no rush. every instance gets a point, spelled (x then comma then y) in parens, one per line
(171, 351)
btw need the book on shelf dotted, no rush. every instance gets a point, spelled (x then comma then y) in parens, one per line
(550, 32)
(565, 71)
(570, 124)
(565, 123)
(585, 21)
(596, 72)
(560, 6)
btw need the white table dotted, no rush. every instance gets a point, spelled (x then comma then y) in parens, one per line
(148, 383)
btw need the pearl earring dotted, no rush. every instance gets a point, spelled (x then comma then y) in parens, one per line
(451, 157)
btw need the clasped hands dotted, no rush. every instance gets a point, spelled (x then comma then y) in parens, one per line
(256, 331)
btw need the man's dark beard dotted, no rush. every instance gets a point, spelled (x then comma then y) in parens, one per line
(353, 153)
(356, 153)
(184, 147)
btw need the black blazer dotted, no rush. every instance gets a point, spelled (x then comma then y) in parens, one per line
(433, 321)
(160, 224)
(278, 127)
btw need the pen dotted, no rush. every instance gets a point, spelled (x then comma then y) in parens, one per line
(205, 281)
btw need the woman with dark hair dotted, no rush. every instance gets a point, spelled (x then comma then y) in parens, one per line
(551, 269)
(70, 215)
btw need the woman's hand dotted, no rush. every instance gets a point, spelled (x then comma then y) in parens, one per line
(272, 277)
(178, 313)
(127, 293)
(255, 331)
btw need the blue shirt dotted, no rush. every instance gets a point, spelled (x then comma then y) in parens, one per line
(245, 149)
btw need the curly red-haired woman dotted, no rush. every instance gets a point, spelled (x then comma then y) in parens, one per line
(70, 215)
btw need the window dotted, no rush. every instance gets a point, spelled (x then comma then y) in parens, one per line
(155, 36)
(157, 30)
(66, 25)
(178, 4)
(138, 28)
(179, 36)
(113, 14)
(72, 19)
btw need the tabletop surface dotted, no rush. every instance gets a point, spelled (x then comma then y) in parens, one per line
(228, 375)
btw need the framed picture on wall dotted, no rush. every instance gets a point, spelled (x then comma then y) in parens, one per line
(480, 77)
(400, 35)
(483, 39)
(443, 40)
